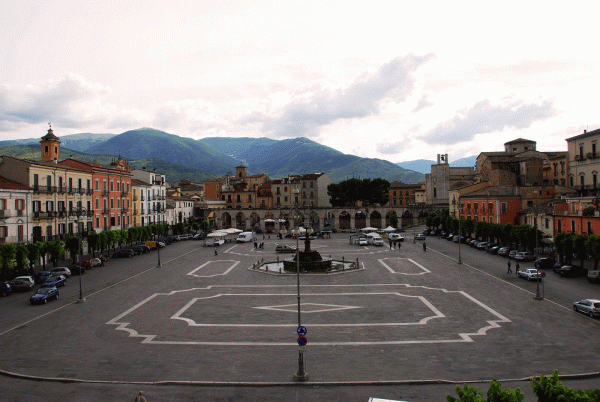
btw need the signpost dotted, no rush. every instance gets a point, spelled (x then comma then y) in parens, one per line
(302, 341)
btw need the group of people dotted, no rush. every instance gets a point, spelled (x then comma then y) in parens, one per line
(509, 271)
(259, 245)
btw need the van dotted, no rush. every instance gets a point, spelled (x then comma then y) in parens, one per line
(245, 237)
(375, 239)
(396, 237)
(151, 244)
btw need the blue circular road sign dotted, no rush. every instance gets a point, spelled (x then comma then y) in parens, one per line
(301, 330)
(302, 341)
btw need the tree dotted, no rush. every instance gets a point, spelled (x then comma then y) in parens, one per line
(21, 256)
(73, 245)
(195, 227)
(33, 253)
(394, 220)
(592, 245)
(7, 257)
(507, 233)
(205, 226)
(180, 228)
(56, 251)
(93, 240)
(579, 247)
(111, 238)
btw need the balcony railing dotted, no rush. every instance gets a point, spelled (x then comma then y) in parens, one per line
(5, 213)
(61, 189)
(12, 239)
(44, 215)
(89, 191)
(44, 189)
(81, 190)
(123, 193)
(105, 211)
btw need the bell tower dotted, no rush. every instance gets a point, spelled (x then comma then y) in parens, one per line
(50, 146)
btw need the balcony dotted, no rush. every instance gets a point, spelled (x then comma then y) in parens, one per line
(81, 190)
(62, 214)
(124, 210)
(44, 215)
(105, 193)
(89, 191)
(135, 197)
(72, 190)
(124, 193)
(61, 189)
(105, 211)
(5, 213)
(43, 189)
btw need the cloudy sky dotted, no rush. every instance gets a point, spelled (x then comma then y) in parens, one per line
(396, 80)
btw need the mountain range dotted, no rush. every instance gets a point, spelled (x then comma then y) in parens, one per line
(197, 160)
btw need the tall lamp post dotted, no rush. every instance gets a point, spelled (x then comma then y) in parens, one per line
(80, 211)
(158, 248)
(301, 375)
(459, 231)
(537, 296)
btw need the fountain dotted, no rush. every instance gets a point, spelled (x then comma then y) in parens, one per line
(310, 260)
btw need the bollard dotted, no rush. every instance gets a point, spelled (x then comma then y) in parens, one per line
(356, 262)
(277, 258)
(279, 269)
(343, 259)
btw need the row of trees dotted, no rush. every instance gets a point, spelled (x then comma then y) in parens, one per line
(352, 192)
(567, 245)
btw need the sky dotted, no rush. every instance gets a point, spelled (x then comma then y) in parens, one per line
(395, 80)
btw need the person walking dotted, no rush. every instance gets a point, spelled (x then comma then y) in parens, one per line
(424, 246)
(390, 244)
(216, 253)
(140, 397)
(517, 267)
(509, 270)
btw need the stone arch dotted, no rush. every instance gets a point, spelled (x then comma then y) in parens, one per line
(344, 219)
(375, 219)
(240, 221)
(226, 220)
(360, 220)
(388, 217)
(254, 220)
(329, 219)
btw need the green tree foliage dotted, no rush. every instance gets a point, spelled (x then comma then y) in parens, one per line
(73, 245)
(33, 251)
(551, 389)
(111, 238)
(563, 242)
(21, 256)
(349, 193)
(93, 240)
(103, 240)
(56, 251)
(195, 226)
(507, 233)
(180, 228)
(579, 247)
(205, 226)
(592, 245)
(7, 257)
(495, 394)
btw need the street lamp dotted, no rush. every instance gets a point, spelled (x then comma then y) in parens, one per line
(459, 231)
(537, 282)
(301, 375)
(158, 249)
(80, 211)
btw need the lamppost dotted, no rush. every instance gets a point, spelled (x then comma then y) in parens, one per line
(459, 231)
(301, 375)
(158, 248)
(537, 296)
(80, 211)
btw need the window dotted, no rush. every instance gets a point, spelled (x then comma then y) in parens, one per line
(112, 203)
(111, 186)
(37, 206)
(97, 203)
(118, 186)
(3, 232)
(19, 204)
(104, 186)
(503, 208)
(589, 227)
(79, 184)
(97, 185)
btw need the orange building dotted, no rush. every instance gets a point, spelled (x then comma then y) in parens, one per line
(571, 216)
(112, 202)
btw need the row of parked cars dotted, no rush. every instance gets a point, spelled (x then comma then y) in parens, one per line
(49, 281)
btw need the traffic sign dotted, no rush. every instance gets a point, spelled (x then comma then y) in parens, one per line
(302, 341)
(301, 330)
(543, 275)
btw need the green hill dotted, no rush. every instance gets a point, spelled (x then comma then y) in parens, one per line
(172, 171)
(147, 143)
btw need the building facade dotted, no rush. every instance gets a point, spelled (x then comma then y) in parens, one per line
(153, 195)
(444, 178)
(584, 162)
(15, 211)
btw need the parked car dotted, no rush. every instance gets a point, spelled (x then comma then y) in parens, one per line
(524, 256)
(450, 236)
(590, 307)
(125, 253)
(493, 250)
(556, 267)
(419, 236)
(198, 236)
(26, 278)
(363, 241)
(96, 262)
(20, 286)
(512, 254)
(456, 238)
(503, 251)
(530, 274)
(544, 262)
(141, 249)
(40, 276)
(482, 245)
(64, 271)
(593, 276)
(43, 295)
(571, 270)
(55, 281)
(5, 289)
(285, 248)
(77, 269)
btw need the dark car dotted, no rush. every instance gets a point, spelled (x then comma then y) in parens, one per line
(20, 286)
(493, 250)
(199, 236)
(572, 270)
(556, 267)
(54, 281)
(545, 262)
(43, 295)
(40, 276)
(141, 249)
(126, 253)
(5, 289)
(77, 269)
(285, 248)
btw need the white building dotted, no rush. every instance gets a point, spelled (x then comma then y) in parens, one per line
(153, 195)
(183, 210)
(15, 212)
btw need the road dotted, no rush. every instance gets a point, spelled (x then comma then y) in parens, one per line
(406, 317)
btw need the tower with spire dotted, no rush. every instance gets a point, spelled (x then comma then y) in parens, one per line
(50, 145)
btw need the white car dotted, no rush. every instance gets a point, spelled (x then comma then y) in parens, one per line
(419, 236)
(60, 271)
(25, 279)
(530, 274)
(363, 241)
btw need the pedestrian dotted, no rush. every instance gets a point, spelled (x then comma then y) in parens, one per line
(517, 267)
(424, 247)
(255, 245)
(216, 253)
(399, 245)
(390, 244)
(140, 397)
(509, 270)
